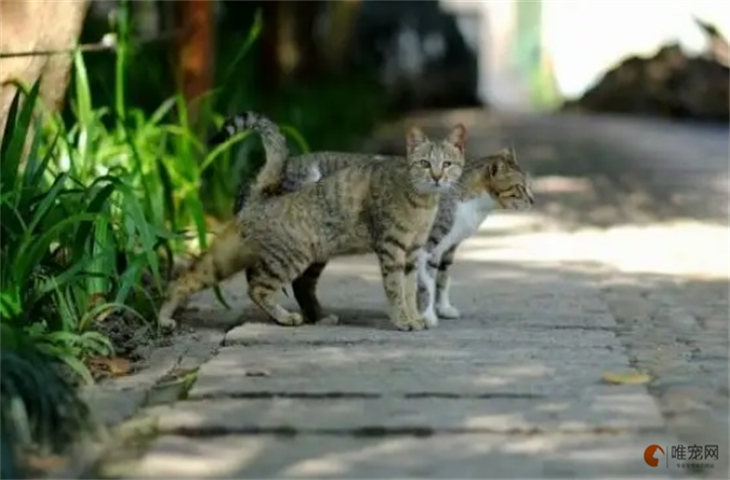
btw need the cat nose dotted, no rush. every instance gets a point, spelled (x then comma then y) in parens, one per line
(437, 175)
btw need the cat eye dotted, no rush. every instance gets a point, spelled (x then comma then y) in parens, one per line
(446, 164)
(425, 163)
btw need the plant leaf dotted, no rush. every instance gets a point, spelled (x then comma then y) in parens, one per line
(12, 154)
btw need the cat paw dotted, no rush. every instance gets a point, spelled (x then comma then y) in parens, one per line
(447, 311)
(403, 325)
(406, 325)
(418, 323)
(330, 319)
(167, 323)
(430, 319)
(290, 319)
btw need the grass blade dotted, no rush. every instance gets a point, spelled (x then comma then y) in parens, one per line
(253, 34)
(161, 111)
(34, 176)
(134, 209)
(167, 193)
(129, 279)
(95, 206)
(14, 152)
(48, 198)
(219, 296)
(219, 149)
(10, 124)
(193, 203)
(298, 138)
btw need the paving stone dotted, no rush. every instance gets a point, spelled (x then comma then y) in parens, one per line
(466, 330)
(441, 367)
(598, 407)
(437, 456)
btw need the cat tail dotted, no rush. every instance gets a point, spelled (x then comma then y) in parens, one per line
(269, 176)
(229, 253)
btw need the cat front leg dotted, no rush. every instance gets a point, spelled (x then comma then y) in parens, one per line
(392, 267)
(427, 288)
(444, 308)
(411, 286)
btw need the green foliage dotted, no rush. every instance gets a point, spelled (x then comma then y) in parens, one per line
(67, 245)
(39, 407)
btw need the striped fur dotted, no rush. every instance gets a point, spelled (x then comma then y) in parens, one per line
(268, 179)
(494, 181)
(383, 205)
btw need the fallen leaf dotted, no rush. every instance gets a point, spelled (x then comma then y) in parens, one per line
(112, 366)
(44, 463)
(626, 378)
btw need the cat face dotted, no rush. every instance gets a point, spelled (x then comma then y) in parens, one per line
(435, 166)
(510, 186)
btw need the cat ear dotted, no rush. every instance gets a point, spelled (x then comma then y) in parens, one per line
(414, 138)
(457, 137)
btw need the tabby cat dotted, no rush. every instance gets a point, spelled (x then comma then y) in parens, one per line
(383, 206)
(486, 183)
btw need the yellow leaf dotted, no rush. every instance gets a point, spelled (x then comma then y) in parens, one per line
(45, 463)
(626, 378)
(113, 367)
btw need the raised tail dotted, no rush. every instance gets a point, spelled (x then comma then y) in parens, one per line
(269, 177)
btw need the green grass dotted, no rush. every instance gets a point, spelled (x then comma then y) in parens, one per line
(93, 209)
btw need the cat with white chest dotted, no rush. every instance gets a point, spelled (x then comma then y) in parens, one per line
(495, 181)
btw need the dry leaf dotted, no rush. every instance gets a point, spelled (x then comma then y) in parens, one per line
(626, 378)
(112, 366)
(44, 463)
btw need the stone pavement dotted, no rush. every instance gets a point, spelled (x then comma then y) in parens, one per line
(623, 266)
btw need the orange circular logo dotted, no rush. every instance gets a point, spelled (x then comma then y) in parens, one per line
(649, 457)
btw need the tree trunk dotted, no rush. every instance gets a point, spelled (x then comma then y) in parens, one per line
(195, 52)
(38, 25)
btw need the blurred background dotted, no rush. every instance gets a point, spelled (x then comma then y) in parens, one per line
(620, 111)
(322, 65)
(333, 71)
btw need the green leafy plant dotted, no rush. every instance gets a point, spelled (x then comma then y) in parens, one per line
(60, 247)
(40, 409)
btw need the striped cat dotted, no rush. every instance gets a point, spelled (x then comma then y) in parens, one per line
(487, 183)
(382, 206)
